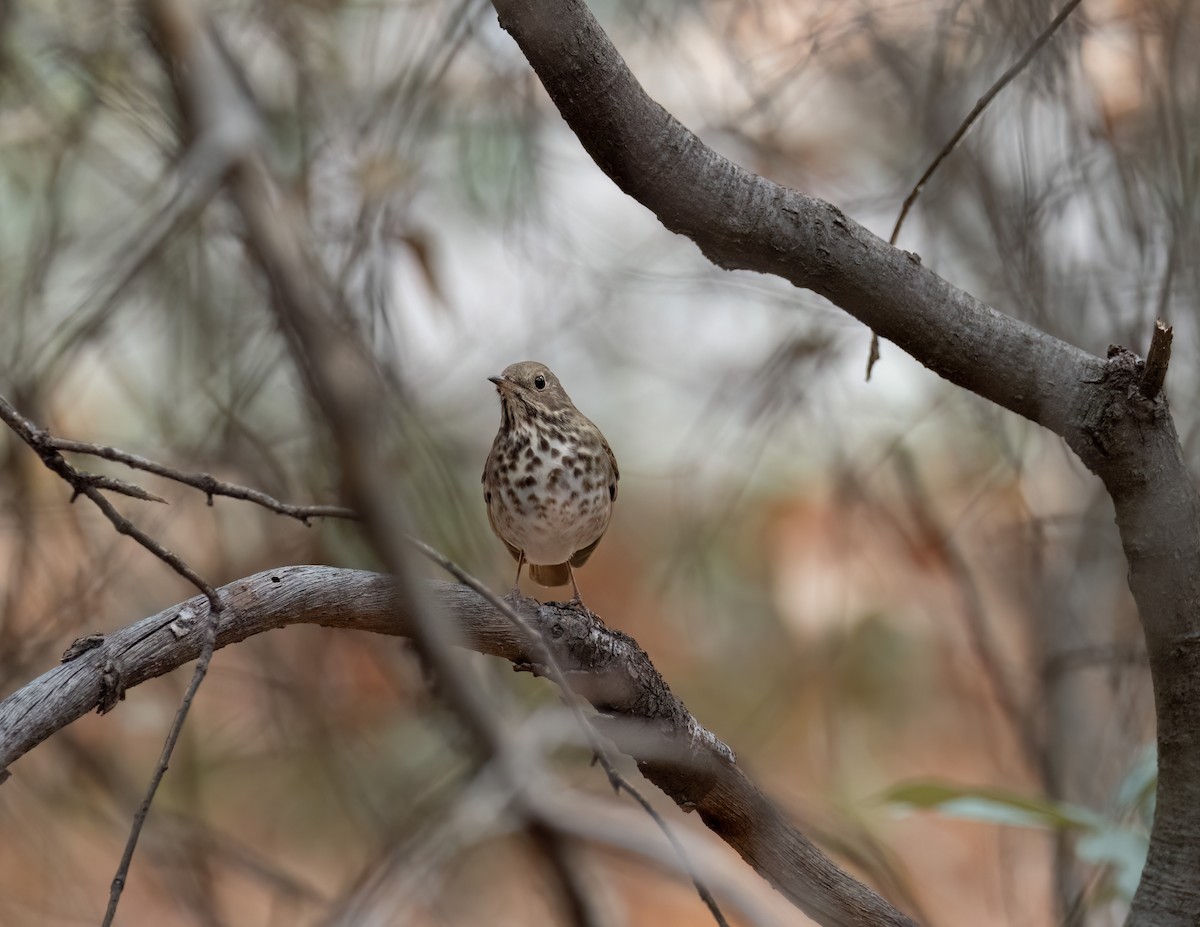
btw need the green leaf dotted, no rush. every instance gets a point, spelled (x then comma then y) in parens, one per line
(1123, 850)
(996, 806)
(1136, 790)
(1100, 841)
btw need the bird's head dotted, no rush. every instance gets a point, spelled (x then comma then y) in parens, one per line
(530, 386)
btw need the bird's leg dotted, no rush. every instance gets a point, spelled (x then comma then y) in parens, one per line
(516, 590)
(576, 599)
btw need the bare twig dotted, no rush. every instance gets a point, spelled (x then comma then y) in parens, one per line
(873, 352)
(1158, 358)
(84, 484)
(977, 110)
(701, 889)
(204, 482)
(118, 486)
(164, 759)
(980, 105)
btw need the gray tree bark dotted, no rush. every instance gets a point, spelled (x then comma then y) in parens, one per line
(1110, 411)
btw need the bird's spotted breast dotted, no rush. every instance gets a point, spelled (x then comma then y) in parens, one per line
(558, 502)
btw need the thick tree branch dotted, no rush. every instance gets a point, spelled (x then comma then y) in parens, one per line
(1158, 514)
(637, 710)
(743, 221)
(1108, 410)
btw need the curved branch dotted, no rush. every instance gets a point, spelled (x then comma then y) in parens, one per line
(637, 709)
(743, 221)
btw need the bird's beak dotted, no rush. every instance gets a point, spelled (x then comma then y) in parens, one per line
(501, 382)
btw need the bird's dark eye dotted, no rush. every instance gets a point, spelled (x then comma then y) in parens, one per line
(539, 381)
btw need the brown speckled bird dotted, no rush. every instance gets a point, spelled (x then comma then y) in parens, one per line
(550, 480)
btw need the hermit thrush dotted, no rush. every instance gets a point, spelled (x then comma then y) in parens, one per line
(550, 480)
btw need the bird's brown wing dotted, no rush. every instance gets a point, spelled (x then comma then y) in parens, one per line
(579, 558)
(616, 476)
(515, 551)
(487, 499)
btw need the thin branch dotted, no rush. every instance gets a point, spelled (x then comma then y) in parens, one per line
(83, 484)
(1158, 358)
(873, 352)
(980, 105)
(977, 110)
(114, 684)
(701, 889)
(204, 482)
(164, 760)
(118, 486)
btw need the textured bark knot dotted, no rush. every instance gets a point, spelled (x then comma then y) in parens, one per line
(1121, 360)
(112, 686)
(184, 622)
(82, 645)
(1115, 420)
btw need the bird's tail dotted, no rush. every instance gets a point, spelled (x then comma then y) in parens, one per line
(553, 574)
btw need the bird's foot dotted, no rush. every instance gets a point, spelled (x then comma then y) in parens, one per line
(533, 669)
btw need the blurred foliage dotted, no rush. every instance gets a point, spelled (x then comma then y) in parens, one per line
(841, 578)
(1117, 839)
